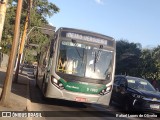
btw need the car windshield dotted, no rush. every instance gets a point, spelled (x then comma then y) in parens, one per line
(84, 60)
(140, 84)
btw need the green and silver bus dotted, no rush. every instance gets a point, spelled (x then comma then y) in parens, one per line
(78, 66)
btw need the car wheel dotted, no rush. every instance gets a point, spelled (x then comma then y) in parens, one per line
(127, 108)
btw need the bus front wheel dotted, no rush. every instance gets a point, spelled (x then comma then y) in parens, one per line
(43, 88)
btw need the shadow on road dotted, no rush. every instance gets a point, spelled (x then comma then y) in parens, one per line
(2, 77)
(16, 88)
(19, 95)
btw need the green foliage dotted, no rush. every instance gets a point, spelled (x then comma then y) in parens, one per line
(39, 11)
(44, 8)
(132, 60)
(147, 65)
(29, 57)
(127, 57)
(8, 29)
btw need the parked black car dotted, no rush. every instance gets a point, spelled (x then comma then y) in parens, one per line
(134, 93)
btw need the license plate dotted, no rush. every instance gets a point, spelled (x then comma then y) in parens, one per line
(154, 106)
(79, 99)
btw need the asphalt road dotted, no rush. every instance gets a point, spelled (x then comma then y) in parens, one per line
(61, 109)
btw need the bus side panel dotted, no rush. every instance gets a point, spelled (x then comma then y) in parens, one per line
(105, 99)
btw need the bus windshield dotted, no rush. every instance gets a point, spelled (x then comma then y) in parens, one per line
(84, 61)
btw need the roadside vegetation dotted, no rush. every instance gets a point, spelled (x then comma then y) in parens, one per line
(134, 60)
(41, 9)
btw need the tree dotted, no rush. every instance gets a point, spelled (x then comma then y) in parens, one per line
(132, 60)
(147, 64)
(7, 35)
(40, 10)
(127, 57)
(156, 57)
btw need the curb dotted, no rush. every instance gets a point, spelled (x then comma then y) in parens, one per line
(28, 107)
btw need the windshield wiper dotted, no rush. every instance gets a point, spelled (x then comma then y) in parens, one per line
(75, 43)
(97, 56)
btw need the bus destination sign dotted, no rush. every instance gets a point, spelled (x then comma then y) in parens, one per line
(86, 38)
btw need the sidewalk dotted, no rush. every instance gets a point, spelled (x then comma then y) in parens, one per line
(19, 98)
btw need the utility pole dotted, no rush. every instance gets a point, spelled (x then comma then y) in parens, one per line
(4, 99)
(3, 6)
(23, 41)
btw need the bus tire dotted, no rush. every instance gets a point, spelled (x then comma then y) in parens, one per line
(44, 97)
(43, 88)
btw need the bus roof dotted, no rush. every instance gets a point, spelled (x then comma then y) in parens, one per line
(85, 32)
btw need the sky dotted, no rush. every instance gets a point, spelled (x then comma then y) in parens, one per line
(136, 21)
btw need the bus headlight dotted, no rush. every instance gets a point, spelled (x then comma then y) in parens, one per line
(57, 83)
(106, 90)
(55, 80)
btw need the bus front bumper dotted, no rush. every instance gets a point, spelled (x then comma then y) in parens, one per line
(54, 92)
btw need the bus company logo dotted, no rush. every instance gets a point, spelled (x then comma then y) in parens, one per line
(6, 114)
(74, 87)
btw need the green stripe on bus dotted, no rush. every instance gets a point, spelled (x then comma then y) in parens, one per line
(83, 88)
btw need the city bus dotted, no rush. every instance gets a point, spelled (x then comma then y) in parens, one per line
(78, 66)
